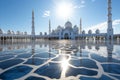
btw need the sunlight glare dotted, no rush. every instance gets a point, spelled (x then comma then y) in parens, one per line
(64, 64)
(64, 10)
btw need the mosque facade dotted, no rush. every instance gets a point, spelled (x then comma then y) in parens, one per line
(67, 32)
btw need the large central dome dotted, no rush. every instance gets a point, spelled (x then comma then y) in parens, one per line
(68, 25)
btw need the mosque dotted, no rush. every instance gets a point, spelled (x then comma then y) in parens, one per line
(68, 31)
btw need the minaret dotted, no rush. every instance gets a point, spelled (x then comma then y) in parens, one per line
(49, 27)
(33, 27)
(80, 26)
(109, 29)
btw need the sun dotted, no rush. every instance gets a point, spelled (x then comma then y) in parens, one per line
(64, 10)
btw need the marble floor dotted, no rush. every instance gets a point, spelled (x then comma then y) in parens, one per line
(60, 60)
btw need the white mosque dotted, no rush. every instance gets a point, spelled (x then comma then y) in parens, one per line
(68, 31)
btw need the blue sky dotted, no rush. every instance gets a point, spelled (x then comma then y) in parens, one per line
(16, 14)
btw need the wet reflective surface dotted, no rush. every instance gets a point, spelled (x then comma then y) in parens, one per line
(61, 60)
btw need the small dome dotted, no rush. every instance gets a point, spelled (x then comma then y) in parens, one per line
(90, 32)
(40, 33)
(45, 33)
(97, 31)
(59, 28)
(13, 32)
(9, 32)
(68, 25)
(25, 33)
(75, 29)
(18, 32)
(83, 32)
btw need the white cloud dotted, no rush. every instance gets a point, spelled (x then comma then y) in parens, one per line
(103, 26)
(81, 6)
(46, 14)
(116, 22)
(100, 26)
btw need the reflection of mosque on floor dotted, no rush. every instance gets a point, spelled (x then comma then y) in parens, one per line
(109, 50)
(49, 51)
(33, 51)
(51, 45)
(109, 56)
(97, 47)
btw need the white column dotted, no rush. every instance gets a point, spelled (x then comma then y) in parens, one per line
(109, 29)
